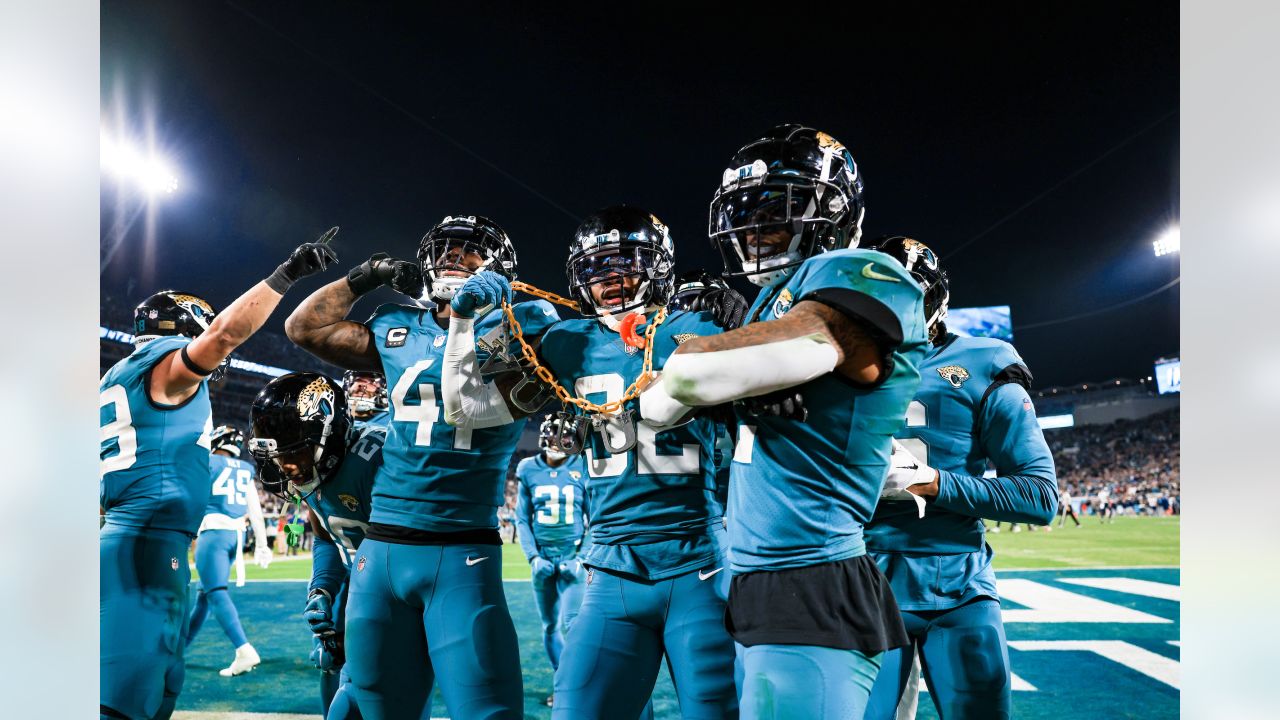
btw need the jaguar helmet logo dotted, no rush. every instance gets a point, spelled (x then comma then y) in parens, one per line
(316, 397)
(954, 374)
(198, 309)
(919, 252)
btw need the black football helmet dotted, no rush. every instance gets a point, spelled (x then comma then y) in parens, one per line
(784, 198)
(924, 266)
(170, 312)
(226, 438)
(454, 237)
(361, 404)
(617, 242)
(299, 426)
(563, 433)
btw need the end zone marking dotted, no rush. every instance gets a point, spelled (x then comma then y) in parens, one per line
(1131, 656)
(1053, 605)
(1147, 588)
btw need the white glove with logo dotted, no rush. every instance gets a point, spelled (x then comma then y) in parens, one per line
(262, 556)
(904, 471)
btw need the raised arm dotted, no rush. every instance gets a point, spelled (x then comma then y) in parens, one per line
(177, 376)
(470, 401)
(319, 324)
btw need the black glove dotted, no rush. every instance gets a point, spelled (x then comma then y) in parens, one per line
(381, 269)
(786, 403)
(725, 304)
(699, 290)
(308, 259)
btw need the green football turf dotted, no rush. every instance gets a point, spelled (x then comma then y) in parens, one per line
(1128, 542)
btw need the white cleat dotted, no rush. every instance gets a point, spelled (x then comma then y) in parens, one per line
(246, 660)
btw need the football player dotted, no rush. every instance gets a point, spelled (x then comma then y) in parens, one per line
(426, 602)
(844, 327)
(156, 419)
(551, 520)
(927, 534)
(654, 581)
(220, 542)
(367, 397)
(310, 450)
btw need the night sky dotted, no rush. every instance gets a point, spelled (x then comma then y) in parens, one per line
(1045, 141)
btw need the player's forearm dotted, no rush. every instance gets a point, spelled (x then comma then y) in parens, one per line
(255, 520)
(524, 531)
(469, 402)
(233, 326)
(1007, 498)
(718, 376)
(327, 570)
(320, 327)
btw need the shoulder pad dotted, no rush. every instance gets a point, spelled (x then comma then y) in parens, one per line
(389, 311)
(536, 316)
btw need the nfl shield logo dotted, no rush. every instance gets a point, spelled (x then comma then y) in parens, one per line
(173, 563)
(360, 564)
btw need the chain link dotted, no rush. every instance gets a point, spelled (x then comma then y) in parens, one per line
(544, 374)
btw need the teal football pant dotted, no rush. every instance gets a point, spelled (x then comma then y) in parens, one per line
(215, 552)
(797, 682)
(558, 598)
(142, 619)
(418, 614)
(963, 658)
(623, 629)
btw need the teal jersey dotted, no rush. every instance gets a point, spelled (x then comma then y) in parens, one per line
(800, 492)
(342, 504)
(154, 457)
(436, 477)
(232, 480)
(377, 420)
(972, 407)
(550, 502)
(652, 507)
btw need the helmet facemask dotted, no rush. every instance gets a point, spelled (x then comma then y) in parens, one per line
(446, 246)
(610, 268)
(766, 229)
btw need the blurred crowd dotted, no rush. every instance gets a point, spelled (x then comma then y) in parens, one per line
(1130, 464)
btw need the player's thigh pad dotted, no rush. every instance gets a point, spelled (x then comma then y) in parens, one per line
(611, 659)
(387, 658)
(966, 662)
(805, 681)
(572, 584)
(471, 637)
(142, 611)
(700, 652)
(215, 551)
(546, 595)
(895, 672)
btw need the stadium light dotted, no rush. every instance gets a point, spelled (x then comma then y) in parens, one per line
(1169, 242)
(150, 172)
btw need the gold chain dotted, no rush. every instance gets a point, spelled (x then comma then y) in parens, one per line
(548, 296)
(544, 374)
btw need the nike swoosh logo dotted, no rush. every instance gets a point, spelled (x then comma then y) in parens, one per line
(869, 272)
(473, 561)
(701, 576)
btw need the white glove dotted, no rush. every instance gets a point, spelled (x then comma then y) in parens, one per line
(904, 471)
(262, 556)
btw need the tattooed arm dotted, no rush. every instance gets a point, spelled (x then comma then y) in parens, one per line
(811, 340)
(320, 327)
